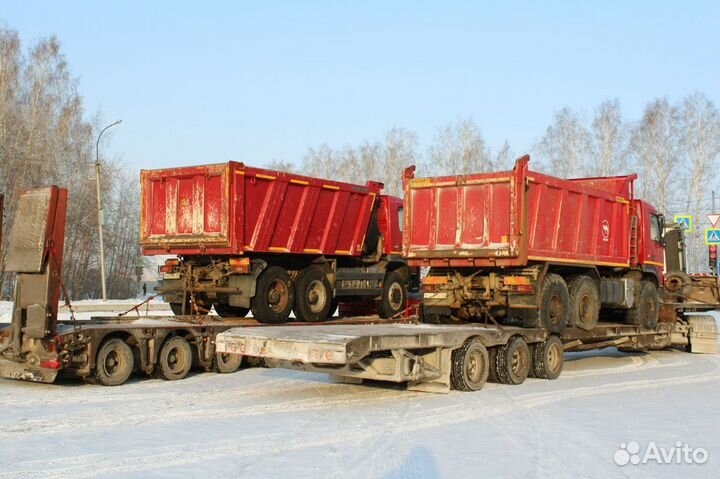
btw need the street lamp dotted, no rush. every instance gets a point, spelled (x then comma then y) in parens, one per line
(101, 216)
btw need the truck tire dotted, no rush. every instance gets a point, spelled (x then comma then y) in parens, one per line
(394, 298)
(470, 366)
(553, 305)
(175, 359)
(114, 363)
(274, 296)
(227, 363)
(227, 311)
(645, 312)
(547, 358)
(584, 302)
(313, 295)
(513, 361)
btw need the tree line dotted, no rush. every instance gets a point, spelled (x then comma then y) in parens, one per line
(46, 138)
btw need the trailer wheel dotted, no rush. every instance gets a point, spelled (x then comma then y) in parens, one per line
(645, 312)
(584, 302)
(513, 361)
(175, 359)
(274, 296)
(227, 363)
(547, 358)
(227, 311)
(114, 363)
(470, 366)
(553, 305)
(678, 283)
(394, 298)
(313, 298)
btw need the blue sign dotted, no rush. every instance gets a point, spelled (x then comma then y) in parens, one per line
(685, 221)
(712, 236)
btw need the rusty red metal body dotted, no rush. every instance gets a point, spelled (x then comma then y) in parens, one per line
(233, 209)
(518, 217)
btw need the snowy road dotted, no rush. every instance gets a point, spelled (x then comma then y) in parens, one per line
(276, 423)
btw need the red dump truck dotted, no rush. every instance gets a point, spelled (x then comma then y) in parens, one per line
(272, 242)
(530, 249)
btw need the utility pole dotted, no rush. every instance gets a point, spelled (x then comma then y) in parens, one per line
(100, 213)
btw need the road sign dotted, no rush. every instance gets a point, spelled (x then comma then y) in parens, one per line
(712, 236)
(713, 218)
(685, 221)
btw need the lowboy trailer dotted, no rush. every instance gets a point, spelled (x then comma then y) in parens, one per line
(437, 358)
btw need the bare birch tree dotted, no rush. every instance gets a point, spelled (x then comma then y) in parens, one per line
(656, 147)
(458, 149)
(564, 146)
(608, 141)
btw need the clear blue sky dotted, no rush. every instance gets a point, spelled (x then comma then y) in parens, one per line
(198, 82)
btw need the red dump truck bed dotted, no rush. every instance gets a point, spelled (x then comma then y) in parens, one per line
(515, 217)
(231, 208)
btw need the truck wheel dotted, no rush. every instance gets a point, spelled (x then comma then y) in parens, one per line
(114, 363)
(553, 305)
(645, 312)
(394, 299)
(227, 363)
(584, 303)
(175, 359)
(513, 361)
(547, 358)
(470, 366)
(227, 311)
(313, 295)
(274, 296)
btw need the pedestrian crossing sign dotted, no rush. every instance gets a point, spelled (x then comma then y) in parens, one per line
(712, 236)
(685, 221)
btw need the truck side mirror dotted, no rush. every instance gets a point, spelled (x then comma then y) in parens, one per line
(661, 222)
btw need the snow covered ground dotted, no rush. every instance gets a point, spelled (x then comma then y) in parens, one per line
(264, 423)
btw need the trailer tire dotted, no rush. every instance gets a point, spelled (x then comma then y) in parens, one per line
(470, 366)
(227, 363)
(114, 363)
(584, 299)
(645, 312)
(513, 361)
(175, 359)
(678, 283)
(553, 306)
(227, 311)
(313, 295)
(274, 296)
(394, 298)
(547, 358)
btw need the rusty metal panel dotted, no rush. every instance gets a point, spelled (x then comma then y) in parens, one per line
(26, 246)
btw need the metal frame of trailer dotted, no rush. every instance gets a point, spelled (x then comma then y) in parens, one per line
(422, 355)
